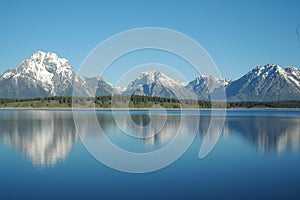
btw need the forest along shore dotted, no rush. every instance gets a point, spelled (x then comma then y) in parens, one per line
(135, 102)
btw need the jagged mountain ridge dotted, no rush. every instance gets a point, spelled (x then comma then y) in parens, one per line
(266, 83)
(45, 74)
(154, 83)
(207, 86)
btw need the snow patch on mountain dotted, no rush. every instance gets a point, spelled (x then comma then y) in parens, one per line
(45, 74)
(266, 83)
(208, 86)
(154, 83)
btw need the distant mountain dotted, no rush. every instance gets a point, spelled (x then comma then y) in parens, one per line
(205, 86)
(98, 87)
(266, 83)
(158, 84)
(45, 74)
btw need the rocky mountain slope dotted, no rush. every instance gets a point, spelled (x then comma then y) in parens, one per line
(45, 74)
(158, 84)
(207, 86)
(266, 83)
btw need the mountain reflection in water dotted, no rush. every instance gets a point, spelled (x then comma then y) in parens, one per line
(44, 137)
(267, 134)
(47, 137)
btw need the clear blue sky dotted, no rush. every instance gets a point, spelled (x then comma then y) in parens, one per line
(238, 35)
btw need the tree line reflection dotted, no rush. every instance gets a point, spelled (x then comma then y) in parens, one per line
(47, 137)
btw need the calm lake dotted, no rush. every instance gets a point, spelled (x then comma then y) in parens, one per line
(256, 157)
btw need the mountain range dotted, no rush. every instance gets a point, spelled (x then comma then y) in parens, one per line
(45, 74)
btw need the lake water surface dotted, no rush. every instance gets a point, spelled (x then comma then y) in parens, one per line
(256, 157)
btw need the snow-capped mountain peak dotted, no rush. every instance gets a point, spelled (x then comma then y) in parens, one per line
(155, 76)
(46, 74)
(154, 83)
(290, 74)
(265, 83)
(206, 86)
(211, 79)
(150, 77)
(46, 70)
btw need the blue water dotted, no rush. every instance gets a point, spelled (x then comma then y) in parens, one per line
(257, 157)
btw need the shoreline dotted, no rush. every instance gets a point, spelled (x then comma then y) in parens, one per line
(135, 109)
